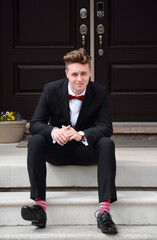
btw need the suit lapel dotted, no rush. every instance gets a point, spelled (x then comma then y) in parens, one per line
(64, 101)
(85, 105)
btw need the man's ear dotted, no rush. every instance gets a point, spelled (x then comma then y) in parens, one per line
(90, 71)
(66, 72)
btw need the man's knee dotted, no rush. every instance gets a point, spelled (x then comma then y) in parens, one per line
(106, 142)
(37, 141)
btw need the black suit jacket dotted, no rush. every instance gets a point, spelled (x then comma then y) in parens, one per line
(53, 111)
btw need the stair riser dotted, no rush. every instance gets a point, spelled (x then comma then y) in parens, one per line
(66, 209)
(78, 215)
(72, 176)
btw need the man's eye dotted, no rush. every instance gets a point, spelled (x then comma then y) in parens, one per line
(74, 74)
(84, 73)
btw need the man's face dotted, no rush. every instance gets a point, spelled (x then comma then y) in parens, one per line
(78, 75)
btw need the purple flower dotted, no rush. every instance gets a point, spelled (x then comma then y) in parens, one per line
(18, 117)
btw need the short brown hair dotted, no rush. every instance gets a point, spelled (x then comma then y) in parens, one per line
(77, 56)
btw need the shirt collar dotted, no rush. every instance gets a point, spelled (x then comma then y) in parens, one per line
(73, 94)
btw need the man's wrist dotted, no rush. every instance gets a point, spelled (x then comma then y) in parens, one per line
(52, 134)
(81, 133)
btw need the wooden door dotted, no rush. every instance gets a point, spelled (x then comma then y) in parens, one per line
(128, 66)
(35, 35)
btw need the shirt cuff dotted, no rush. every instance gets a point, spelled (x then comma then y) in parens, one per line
(85, 142)
(53, 140)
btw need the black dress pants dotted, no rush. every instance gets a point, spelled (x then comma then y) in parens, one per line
(102, 153)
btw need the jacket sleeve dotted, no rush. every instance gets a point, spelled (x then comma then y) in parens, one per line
(39, 123)
(102, 124)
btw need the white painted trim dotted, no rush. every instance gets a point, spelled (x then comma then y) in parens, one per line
(92, 38)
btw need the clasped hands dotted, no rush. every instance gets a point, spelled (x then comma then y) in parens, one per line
(65, 134)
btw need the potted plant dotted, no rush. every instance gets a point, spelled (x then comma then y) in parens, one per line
(12, 127)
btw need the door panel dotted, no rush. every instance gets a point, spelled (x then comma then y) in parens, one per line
(138, 79)
(128, 66)
(35, 37)
(132, 23)
(43, 24)
(25, 76)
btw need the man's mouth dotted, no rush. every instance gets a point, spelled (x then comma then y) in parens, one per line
(79, 84)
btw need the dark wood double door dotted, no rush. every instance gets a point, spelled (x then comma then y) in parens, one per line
(36, 34)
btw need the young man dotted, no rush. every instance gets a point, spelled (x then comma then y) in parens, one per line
(78, 133)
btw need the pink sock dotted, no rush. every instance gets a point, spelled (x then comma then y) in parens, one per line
(104, 206)
(40, 202)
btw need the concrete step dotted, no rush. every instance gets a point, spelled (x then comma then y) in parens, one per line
(77, 233)
(125, 134)
(78, 208)
(133, 127)
(126, 127)
(136, 167)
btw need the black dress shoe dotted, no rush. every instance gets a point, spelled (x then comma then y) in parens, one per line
(106, 224)
(35, 214)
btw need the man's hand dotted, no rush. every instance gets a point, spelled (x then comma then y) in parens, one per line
(72, 133)
(61, 135)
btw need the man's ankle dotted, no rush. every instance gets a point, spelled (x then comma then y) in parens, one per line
(41, 203)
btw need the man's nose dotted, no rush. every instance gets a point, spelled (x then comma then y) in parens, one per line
(79, 77)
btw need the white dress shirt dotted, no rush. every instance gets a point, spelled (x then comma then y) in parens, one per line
(74, 106)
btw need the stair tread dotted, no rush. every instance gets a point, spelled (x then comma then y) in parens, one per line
(79, 197)
(77, 233)
(10, 154)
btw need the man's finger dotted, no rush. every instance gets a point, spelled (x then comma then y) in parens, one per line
(63, 126)
(59, 141)
(65, 136)
(63, 139)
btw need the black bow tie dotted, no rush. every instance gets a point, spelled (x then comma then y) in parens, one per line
(81, 98)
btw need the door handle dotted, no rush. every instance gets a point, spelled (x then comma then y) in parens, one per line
(83, 31)
(100, 31)
(83, 13)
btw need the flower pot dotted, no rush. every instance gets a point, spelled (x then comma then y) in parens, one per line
(12, 131)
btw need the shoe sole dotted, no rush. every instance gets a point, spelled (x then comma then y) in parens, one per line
(38, 224)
